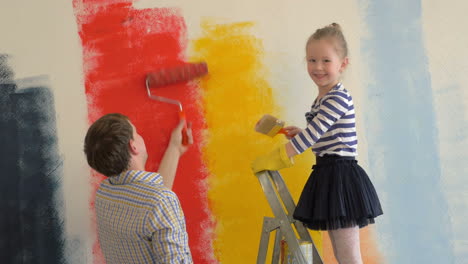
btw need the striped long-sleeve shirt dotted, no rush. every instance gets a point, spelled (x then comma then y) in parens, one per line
(140, 221)
(331, 127)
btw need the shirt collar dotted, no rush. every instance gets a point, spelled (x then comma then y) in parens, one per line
(129, 176)
(338, 86)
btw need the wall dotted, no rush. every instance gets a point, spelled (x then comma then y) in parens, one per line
(63, 64)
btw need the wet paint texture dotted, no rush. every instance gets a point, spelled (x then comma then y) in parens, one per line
(235, 96)
(31, 229)
(403, 150)
(120, 45)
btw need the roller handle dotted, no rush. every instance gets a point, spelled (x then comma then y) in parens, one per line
(185, 139)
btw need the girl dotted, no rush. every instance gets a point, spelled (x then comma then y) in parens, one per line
(338, 196)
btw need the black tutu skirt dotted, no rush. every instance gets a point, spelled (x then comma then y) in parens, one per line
(338, 194)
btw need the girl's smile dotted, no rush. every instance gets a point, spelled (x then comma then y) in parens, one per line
(324, 63)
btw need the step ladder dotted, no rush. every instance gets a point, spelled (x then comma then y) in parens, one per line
(283, 206)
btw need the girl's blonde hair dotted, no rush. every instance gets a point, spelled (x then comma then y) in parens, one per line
(331, 31)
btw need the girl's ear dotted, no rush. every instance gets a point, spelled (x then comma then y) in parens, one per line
(132, 147)
(344, 64)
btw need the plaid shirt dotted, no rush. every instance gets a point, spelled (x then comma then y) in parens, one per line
(140, 221)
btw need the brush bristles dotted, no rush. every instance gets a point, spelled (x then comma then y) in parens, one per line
(269, 125)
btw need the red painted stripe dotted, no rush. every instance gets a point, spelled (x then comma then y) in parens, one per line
(120, 45)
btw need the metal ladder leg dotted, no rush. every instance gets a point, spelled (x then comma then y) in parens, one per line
(282, 220)
(277, 247)
(290, 207)
(269, 224)
(281, 216)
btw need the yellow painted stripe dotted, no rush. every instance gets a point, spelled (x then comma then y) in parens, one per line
(235, 94)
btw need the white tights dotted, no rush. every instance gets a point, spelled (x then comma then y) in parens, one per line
(346, 246)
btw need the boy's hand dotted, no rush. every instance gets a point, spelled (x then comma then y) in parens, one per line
(176, 137)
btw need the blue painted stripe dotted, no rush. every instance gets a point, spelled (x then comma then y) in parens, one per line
(400, 124)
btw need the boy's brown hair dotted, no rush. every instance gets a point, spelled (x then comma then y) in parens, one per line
(107, 144)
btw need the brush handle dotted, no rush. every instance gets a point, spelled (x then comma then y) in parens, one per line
(185, 140)
(283, 131)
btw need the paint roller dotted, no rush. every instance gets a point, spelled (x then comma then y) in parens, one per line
(270, 126)
(173, 75)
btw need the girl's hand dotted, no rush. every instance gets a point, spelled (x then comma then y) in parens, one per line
(292, 131)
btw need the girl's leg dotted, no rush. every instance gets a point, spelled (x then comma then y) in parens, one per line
(346, 245)
(332, 239)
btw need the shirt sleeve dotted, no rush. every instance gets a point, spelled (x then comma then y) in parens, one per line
(333, 107)
(166, 224)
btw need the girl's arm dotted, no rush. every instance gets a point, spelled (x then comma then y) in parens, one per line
(331, 110)
(291, 131)
(290, 151)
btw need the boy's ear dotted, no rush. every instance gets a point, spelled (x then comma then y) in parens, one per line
(132, 147)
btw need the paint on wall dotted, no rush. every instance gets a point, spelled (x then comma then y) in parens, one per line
(235, 96)
(403, 150)
(30, 226)
(448, 65)
(120, 45)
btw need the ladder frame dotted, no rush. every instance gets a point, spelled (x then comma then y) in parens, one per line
(279, 198)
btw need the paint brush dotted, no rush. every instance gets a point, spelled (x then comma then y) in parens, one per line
(270, 126)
